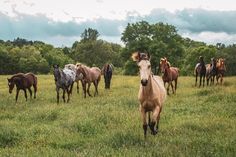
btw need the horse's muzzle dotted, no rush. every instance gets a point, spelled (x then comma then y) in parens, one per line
(10, 91)
(144, 82)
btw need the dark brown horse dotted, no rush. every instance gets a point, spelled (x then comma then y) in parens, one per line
(107, 73)
(200, 69)
(23, 82)
(221, 69)
(169, 74)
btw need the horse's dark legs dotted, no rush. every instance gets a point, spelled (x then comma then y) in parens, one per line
(196, 79)
(68, 94)
(84, 88)
(78, 87)
(200, 83)
(35, 90)
(63, 96)
(71, 88)
(17, 93)
(173, 91)
(89, 84)
(176, 81)
(168, 87)
(25, 94)
(57, 95)
(204, 79)
(95, 83)
(30, 91)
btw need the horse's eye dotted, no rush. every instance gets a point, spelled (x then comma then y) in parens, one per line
(149, 66)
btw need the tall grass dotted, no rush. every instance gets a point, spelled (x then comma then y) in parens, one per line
(194, 122)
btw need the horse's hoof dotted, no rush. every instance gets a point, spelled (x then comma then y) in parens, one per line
(154, 132)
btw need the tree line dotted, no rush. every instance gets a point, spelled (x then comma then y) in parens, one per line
(159, 39)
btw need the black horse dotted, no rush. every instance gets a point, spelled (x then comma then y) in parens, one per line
(107, 72)
(200, 69)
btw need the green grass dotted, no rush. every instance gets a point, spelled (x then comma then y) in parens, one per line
(194, 122)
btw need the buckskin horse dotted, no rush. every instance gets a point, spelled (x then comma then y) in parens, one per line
(23, 82)
(152, 93)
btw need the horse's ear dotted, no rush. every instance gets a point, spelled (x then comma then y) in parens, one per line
(8, 79)
(168, 64)
(136, 56)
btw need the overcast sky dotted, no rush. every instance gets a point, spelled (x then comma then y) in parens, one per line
(61, 22)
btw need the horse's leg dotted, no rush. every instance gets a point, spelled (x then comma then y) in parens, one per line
(17, 93)
(204, 79)
(30, 91)
(143, 115)
(25, 94)
(57, 89)
(176, 81)
(207, 80)
(68, 94)
(155, 115)
(63, 96)
(221, 79)
(35, 90)
(173, 91)
(96, 87)
(78, 87)
(71, 88)
(158, 119)
(200, 83)
(196, 79)
(89, 84)
(84, 88)
(168, 88)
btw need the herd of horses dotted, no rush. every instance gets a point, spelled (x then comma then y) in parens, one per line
(152, 91)
(216, 69)
(64, 79)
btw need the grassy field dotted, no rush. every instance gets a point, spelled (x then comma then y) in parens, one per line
(194, 122)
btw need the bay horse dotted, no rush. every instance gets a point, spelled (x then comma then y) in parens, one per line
(211, 71)
(152, 93)
(77, 78)
(90, 75)
(64, 79)
(23, 82)
(221, 69)
(200, 69)
(169, 74)
(107, 73)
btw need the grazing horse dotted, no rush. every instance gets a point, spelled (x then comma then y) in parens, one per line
(107, 72)
(221, 69)
(77, 78)
(23, 81)
(169, 74)
(152, 93)
(211, 71)
(200, 69)
(89, 75)
(64, 79)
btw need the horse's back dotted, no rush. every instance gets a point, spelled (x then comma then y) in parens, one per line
(96, 72)
(174, 72)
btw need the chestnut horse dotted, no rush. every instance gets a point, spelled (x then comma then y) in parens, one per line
(89, 75)
(169, 74)
(200, 69)
(221, 69)
(152, 93)
(23, 82)
(107, 73)
(211, 71)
